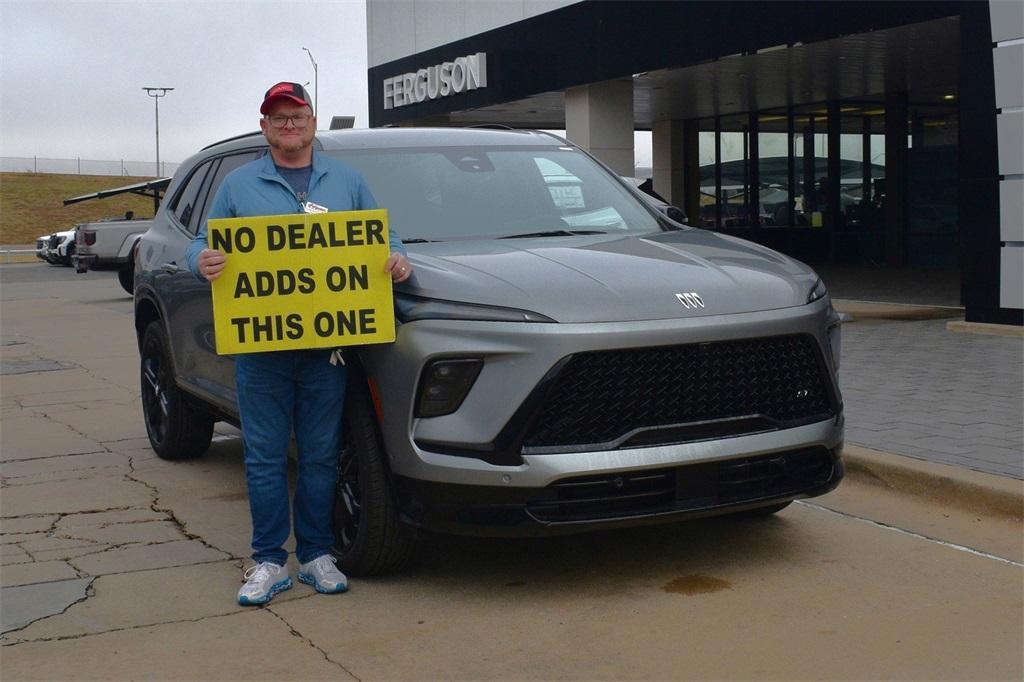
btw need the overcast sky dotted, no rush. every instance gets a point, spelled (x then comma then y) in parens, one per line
(72, 73)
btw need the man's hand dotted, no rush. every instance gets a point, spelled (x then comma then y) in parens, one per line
(399, 267)
(211, 262)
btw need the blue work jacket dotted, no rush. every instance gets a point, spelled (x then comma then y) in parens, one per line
(257, 189)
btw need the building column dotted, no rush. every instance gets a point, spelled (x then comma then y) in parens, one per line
(896, 130)
(675, 147)
(991, 259)
(1007, 57)
(599, 118)
(668, 162)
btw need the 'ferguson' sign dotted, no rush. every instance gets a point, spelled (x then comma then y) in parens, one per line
(463, 74)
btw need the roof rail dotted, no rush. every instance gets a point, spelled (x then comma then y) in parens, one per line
(563, 140)
(231, 139)
(496, 126)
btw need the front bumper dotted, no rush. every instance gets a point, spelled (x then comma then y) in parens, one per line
(83, 262)
(614, 500)
(518, 356)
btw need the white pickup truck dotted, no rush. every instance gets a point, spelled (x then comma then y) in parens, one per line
(108, 245)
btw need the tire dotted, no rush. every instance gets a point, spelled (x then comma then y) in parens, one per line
(176, 428)
(126, 276)
(370, 538)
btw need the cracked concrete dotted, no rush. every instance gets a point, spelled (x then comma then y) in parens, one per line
(25, 604)
(208, 648)
(118, 565)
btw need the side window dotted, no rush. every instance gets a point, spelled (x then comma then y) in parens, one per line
(227, 164)
(185, 203)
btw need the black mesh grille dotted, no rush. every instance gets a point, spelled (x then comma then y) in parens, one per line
(693, 487)
(600, 397)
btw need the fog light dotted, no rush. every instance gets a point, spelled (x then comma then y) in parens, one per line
(444, 385)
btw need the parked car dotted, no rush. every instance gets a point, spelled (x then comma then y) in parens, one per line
(108, 245)
(42, 246)
(567, 358)
(57, 248)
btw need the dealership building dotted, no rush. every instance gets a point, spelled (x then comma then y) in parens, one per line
(884, 135)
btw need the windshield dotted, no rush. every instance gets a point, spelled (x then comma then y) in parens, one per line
(451, 193)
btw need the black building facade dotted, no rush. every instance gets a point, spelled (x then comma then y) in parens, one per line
(874, 133)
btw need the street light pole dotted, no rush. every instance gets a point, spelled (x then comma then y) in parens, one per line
(156, 94)
(316, 93)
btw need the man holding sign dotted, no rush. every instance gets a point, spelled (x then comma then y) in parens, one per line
(284, 390)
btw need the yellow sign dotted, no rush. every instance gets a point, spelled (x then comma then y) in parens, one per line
(306, 280)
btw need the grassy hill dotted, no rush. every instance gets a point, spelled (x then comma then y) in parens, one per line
(31, 204)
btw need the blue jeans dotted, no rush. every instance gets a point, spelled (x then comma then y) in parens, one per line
(277, 392)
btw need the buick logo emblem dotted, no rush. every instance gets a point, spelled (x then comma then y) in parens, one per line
(690, 300)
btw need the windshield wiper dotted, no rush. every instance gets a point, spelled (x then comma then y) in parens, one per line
(419, 241)
(552, 233)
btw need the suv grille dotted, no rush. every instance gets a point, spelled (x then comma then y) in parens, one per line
(687, 488)
(673, 394)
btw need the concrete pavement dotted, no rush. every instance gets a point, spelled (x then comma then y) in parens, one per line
(118, 565)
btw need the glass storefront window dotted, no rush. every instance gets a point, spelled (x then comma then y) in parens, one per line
(810, 153)
(774, 209)
(736, 202)
(708, 160)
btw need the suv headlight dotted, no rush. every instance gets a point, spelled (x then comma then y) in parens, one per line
(409, 308)
(817, 291)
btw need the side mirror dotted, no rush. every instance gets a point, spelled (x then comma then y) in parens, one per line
(673, 213)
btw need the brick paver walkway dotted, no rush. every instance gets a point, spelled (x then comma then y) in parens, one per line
(914, 388)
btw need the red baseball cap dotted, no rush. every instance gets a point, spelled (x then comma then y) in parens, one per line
(290, 91)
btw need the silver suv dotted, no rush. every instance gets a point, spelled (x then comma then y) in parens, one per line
(567, 356)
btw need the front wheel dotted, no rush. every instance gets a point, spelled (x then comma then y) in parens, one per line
(126, 277)
(370, 538)
(176, 428)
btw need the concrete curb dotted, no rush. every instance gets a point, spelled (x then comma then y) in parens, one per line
(943, 484)
(863, 310)
(985, 328)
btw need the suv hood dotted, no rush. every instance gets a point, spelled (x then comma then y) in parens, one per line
(610, 278)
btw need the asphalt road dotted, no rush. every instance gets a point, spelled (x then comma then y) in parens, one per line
(118, 565)
(20, 273)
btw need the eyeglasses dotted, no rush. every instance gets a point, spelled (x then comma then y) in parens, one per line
(298, 120)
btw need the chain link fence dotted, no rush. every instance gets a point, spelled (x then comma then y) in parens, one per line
(78, 166)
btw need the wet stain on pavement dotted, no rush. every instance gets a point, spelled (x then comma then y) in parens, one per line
(696, 584)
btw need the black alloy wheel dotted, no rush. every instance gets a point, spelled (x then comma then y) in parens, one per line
(126, 278)
(346, 500)
(369, 536)
(176, 429)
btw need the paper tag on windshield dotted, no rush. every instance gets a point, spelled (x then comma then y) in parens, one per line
(310, 207)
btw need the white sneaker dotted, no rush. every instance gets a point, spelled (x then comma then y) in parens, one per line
(323, 575)
(262, 582)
